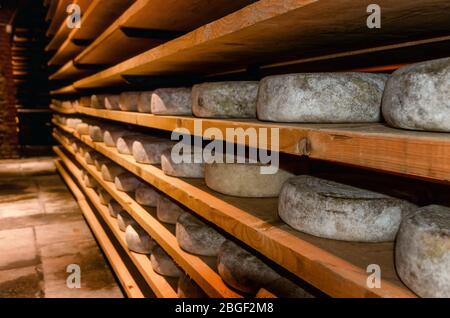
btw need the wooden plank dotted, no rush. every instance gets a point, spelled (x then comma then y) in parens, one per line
(58, 17)
(70, 89)
(424, 155)
(114, 46)
(158, 283)
(337, 268)
(270, 31)
(198, 268)
(62, 110)
(98, 16)
(70, 70)
(126, 279)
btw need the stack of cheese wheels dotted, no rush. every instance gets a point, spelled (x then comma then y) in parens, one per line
(112, 102)
(97, 131)
(182, 165)
(98, 101)
(138, 240)
(337, 211)
(321, 97)
(89, 181)
(110, 171)
(104, 197)
(85, 101)
(244, 179)
(126, 182)
(90, 156)
(168, 211)
(124, 143)
(172, 101)
(124, 219)
(145, 102)
(114, 208)
(422, 251)
(196, 237)
(146, 195)
(128, 101)
(100, 161)
(82, 128)
(163, 264)
(112, 134)
(187, 288)
(225, 99)
(417, 96)
(148, 150)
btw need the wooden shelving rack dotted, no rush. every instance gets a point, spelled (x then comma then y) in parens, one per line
(269, 36)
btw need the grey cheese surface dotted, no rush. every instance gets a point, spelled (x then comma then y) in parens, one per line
(422, 251)
(163, 264)
(337, 211)
(188, 169)
(417, 97)
(168, 211)
(138, 240)
(321, 98)
(172, 101)
(225, 99)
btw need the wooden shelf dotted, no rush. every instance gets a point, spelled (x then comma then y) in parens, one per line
(126, 279)
(70, 89)
(424, 155)
(158, 283)
(335, 267)
(201, 269)
(58, 17)
(98, 16)
(270, 31)
(62, 110)
(70, 70)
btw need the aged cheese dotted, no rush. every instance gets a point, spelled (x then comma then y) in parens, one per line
(417, 96)
(196, 237)
(82, 129)
(225, 99)
(128, 101)
(337, 211)
(242, 270)
(188, 169)
(104, 197)
(90, 156)
(114, 208)
(146, 195)
(321, 97)
(163, 264)
(187, 288)
(422, 251)
(89, 181)
(110, 171)
(172, 101)
(149, 149)
(124, 219)
(98, 101)
(124, 144)
(112, 134)
(138, 240)
(244, 180)
(145, 102)
(126, 182)
(167, 210)
(112, 102)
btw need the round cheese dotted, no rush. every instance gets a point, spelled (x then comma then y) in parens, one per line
(148, 150)
(110, 171)
(126, 182)
(145, 102)
(98, 101)
(124, 219)
(163, 264)
(111, 136)
(167, 210)
(337, 211)
(172, 101)
(124, 143)
(185, 169)
(114, 208)
(128, 101)
(104, 197)
(187, 288)
(138, 240)
(82, 129)
(146, 195)
(112, 102)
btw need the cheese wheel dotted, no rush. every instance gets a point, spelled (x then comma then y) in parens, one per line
(96, 132)
(90, 156)
(337, 211)
(321, 97)
(187, 288)
(110, 171)
(111, 136)
(145, 102)
(128, 101)
(126, 182)
(225, 99)
(244, 180)
(67, 104)
(284, 288)
(172, 101)
(124, 144)
(146, 195)
(112, 102)
(73, 122)
(99, 161)
(98, 101)
(163, 264)
(148, 150)
(417, 96)
(167, 210)
(85, 101)
(124, 219)
(114, 208)
(196, 237)
(90, 182)
(422, 251)
(138, 240)
(104, 197)
(242, 270)
(187, 169)
(82, 129)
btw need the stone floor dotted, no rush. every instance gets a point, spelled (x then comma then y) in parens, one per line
(42, 232)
